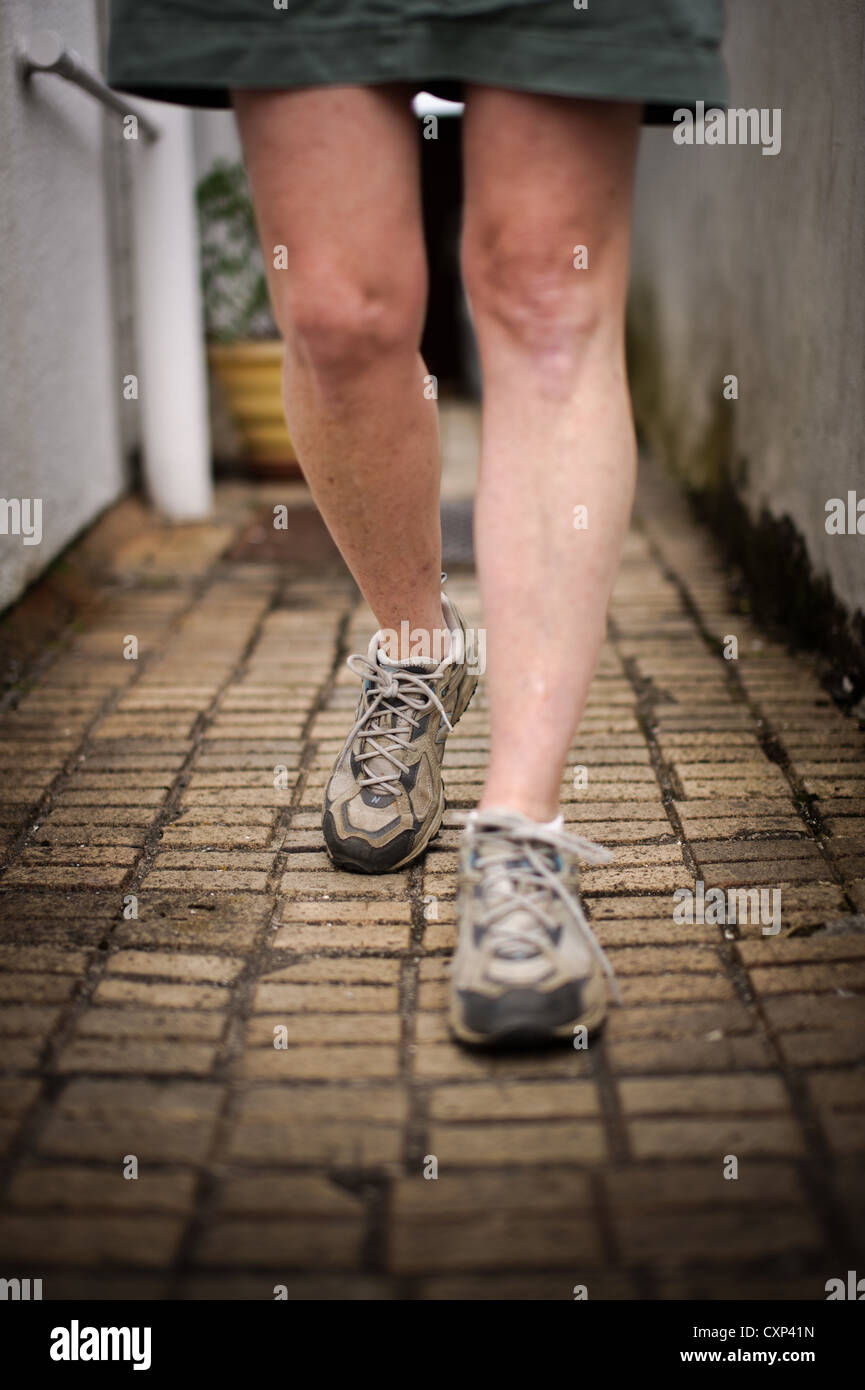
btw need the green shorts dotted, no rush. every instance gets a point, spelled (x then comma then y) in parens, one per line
(664, 53)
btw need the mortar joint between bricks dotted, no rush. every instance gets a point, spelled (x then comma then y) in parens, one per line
(204, 1200)
(602, 1208)
(614, 1122)
(243, 988)
(63, 1029)
(818, 1158)
(771, 741)
(729, 958)
(97, 965)
(415, 1136)
(813, 1176)
(308, 745)
(35, 816)
(661, 768)
(802, 1107)
(79, 753)
(23, 1142)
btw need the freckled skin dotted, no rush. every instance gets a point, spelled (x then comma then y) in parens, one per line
(334, 173)
(335, 178)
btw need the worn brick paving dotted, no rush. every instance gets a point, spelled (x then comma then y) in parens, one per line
(148, 786)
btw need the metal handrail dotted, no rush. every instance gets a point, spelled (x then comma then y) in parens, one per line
(45, 52)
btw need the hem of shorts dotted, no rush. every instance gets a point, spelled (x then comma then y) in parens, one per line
(522, 59)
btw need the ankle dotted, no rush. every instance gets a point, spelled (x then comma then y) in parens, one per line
(535, 807)
(427, 639)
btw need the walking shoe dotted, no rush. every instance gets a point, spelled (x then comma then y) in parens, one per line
(528, 966)
(385, 800)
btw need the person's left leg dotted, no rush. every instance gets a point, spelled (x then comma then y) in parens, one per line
(545, 255)
(545, 176)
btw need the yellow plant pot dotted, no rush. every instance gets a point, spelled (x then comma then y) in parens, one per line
(249, 376)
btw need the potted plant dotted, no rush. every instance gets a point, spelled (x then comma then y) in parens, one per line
(244, 349)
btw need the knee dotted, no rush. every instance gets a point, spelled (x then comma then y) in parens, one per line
(528, 291)
(336, 328)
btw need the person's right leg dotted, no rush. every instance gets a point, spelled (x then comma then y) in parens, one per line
(334, 178)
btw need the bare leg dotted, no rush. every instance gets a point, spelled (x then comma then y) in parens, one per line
(543, 176)
(334, 176)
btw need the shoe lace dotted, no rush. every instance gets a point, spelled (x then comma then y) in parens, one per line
(396, 697)
(518, 878)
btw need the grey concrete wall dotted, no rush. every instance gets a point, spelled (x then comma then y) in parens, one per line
(755, 265)
(60, 390)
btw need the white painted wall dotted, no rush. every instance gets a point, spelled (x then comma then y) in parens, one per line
(60, 385)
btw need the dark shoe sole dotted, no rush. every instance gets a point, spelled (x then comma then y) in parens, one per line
(525, 1016)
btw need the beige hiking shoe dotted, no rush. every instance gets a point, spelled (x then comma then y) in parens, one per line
(527, 967)
(385, 800)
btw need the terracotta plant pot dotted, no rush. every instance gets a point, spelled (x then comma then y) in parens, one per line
(249, 376)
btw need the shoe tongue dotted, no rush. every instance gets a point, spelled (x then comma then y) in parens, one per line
(513, 934)
(381, 766)
(505, 882)
(408, 663)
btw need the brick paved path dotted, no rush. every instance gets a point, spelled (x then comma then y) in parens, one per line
(152, 1036)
